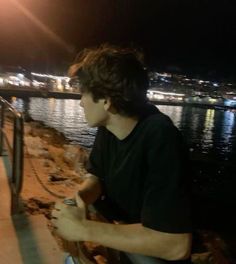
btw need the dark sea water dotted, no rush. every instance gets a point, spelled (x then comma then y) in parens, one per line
(207, 131)
(210, 135)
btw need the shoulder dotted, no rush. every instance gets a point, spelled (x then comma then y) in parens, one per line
(159, 118)
(158, 129)
(152, 116)
(158, 122)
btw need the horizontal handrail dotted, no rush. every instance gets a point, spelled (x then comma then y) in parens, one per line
(15, 149)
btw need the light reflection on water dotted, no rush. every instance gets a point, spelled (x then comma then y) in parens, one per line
(64, 115)
(207, 133)
(207, 130)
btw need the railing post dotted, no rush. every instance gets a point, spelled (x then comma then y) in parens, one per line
(18, 154)
(1, 127)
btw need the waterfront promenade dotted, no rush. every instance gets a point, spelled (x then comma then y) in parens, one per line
(24, 239)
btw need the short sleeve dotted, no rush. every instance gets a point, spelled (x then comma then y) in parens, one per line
(166, 204)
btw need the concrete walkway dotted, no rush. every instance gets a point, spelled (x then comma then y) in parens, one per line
(24, 239)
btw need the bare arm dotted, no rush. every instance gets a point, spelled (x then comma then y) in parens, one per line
(71, 224)
(135, 238)
(90, 189)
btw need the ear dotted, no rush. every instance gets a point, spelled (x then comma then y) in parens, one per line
(107, 104)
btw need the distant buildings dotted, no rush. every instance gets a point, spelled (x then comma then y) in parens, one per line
(14, 79)
(33, 80)
(179, 88)
(164, 87)
(50, 82)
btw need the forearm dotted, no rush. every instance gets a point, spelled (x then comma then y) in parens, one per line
(135, 238)
(90, 189)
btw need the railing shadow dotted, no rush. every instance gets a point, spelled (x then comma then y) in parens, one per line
(27, 242)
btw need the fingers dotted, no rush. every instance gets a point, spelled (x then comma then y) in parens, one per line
(59, 210)
(55, 216)
(59, 205)
(54, 228)
(54, 223)
(55, 213)
(79, 201)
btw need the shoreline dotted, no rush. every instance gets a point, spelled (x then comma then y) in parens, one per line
(27, 94)
(200, 105)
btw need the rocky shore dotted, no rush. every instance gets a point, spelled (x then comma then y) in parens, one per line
(53, 169)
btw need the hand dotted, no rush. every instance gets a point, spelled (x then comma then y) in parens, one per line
(70, 221)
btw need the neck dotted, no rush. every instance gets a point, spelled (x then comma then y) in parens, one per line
(121, 126)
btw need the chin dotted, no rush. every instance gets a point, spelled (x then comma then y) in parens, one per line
(90, 124)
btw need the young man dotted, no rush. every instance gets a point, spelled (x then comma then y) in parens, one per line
(137, 165)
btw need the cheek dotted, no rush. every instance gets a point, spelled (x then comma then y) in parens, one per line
(89, 111)
(81, 103)
(85, 104)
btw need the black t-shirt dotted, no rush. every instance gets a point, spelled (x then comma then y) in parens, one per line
(144, 176)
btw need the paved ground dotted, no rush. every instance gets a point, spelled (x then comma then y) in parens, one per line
(24, 239)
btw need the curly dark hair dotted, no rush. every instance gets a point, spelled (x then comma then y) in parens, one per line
(115, 73)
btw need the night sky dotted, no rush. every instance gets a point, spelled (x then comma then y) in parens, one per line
(192, 36)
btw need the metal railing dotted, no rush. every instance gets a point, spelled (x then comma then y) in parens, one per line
(14, 148)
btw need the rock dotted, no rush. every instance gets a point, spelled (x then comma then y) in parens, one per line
(27, 130)
(39, 153)
(36, 153)
(55, 178)
(70, 154)
(35, 124)
(46, 155)
(35, 147)
(36, 205)
(46, 164)
(33, 142)
(34, 132)
(54, 170)
(75, 156)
